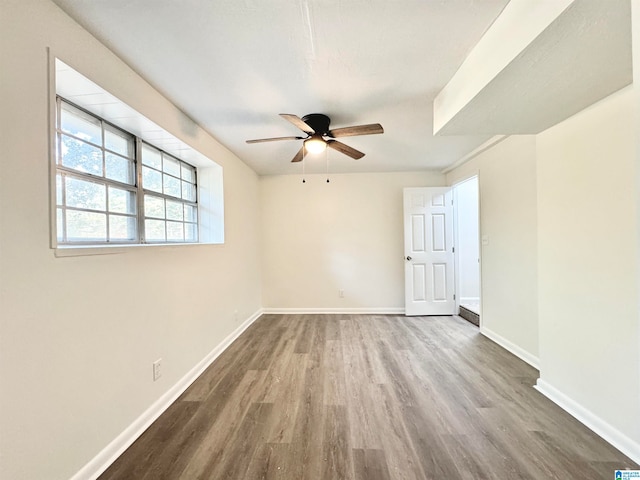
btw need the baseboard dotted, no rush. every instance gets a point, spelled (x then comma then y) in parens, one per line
(113, 450)
(519, 352)
(469, 315)
(320, 311)
(609, 433)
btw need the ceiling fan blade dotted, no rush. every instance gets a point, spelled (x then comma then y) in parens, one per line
(261, 140)
(346, 149)
(370, 129)
(299, 156)
(298, 122)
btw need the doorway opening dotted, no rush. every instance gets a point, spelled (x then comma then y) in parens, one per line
(467, 228)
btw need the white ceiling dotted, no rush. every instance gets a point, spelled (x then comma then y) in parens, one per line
(234, 65)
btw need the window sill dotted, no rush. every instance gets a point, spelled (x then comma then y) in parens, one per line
(88, 250)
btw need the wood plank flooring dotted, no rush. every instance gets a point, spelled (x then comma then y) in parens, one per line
(366, 397)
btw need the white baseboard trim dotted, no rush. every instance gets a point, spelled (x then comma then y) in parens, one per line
(609, 433)
(519, 352)
(320, 311)
(113, 450)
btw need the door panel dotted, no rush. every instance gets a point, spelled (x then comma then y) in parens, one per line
(439, 282)
(428, 223)
(418, 243)
(438, 231)
(419, 283)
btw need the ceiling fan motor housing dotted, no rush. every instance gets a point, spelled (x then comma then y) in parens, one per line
(317, 121)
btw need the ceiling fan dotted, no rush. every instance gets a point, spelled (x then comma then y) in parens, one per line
(319, 137)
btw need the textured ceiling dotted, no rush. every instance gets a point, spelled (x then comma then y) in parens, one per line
(234, 65)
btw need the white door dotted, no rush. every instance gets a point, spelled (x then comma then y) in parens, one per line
(428, 251)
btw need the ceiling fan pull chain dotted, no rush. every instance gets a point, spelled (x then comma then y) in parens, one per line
(326, 159)
(303, 180)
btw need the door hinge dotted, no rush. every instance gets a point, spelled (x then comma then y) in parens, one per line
(453, 249)
(454, 296)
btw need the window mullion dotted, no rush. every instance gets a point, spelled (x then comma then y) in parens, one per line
(74, 137)
(63, 185)
(95, 178)
(106, 185)
(63, 180)
(170, 197)
(140, 191)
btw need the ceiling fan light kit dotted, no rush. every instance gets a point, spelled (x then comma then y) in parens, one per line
(315, 144)
(319, 136)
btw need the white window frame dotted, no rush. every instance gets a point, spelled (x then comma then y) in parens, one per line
(65, 173)
(145, 216)
(68, 83)
(138, 187)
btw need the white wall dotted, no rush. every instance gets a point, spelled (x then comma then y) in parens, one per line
(468, 240)
(588, 252)
(78, 335)
(508, 219)
(560, 270)
(319, 238)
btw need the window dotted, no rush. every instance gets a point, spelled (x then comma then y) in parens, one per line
(113, 188)
(170, 209)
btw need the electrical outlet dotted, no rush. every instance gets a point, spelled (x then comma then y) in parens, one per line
(157, 372)
(341, 293)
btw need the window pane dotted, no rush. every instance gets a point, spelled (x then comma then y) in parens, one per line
(171, 186)
(86, 226)
(122, 201)
(58, 189)
(119, 169)
(190, 213)
(175, 232)
(174, 210)
(59, 225)
(99, 176)
(151, 157)
(122, 228)
(154, 230)
(81, 156)
(171, 166)
(188, 173)
(82, 194)
(151, 180)
(188, 192)
(118, 141)
(153, 206)
(190, 232)
(80, 124)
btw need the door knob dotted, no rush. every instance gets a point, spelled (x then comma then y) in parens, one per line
(408, 258)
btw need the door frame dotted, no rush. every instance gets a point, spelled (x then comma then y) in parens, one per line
(456, 232)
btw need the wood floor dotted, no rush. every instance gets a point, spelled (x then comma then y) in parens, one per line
(366, 397)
